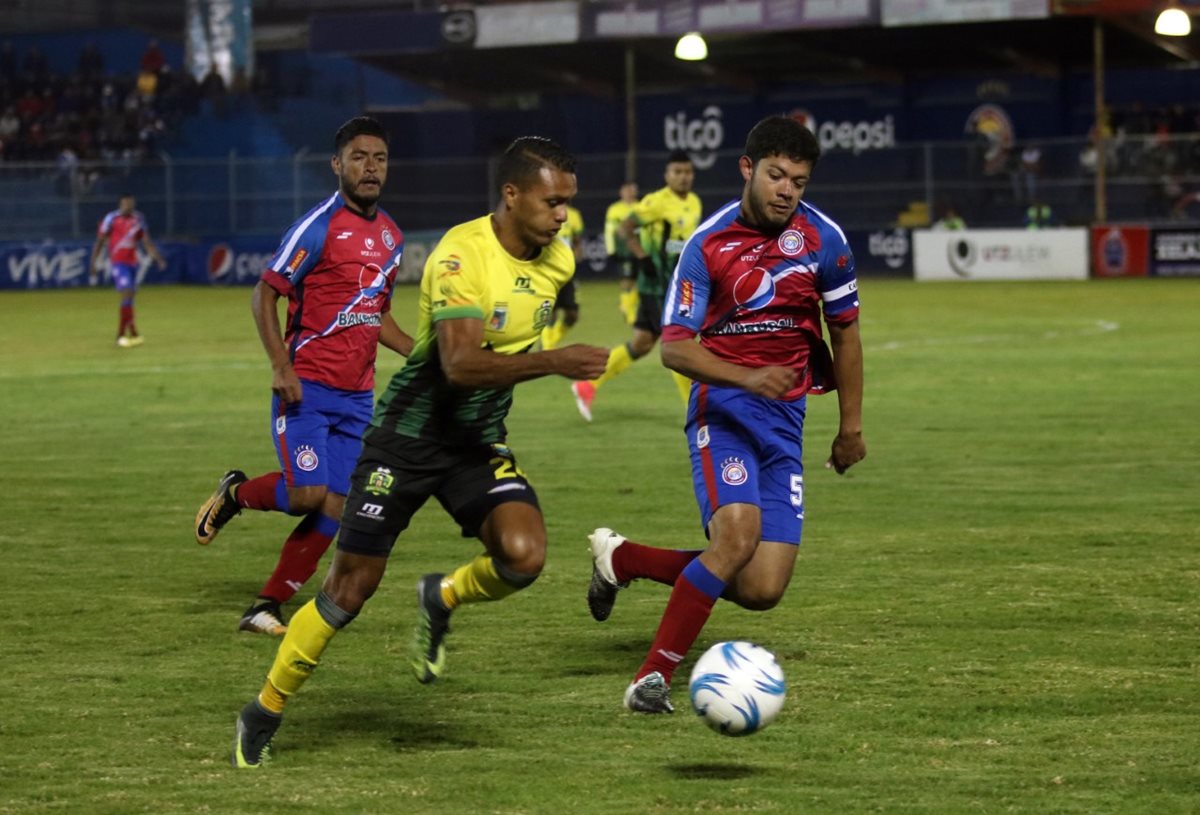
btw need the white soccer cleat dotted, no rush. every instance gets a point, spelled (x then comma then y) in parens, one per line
(650, 694)
(602, 590)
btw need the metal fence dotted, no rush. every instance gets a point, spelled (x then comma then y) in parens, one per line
(1153, 179)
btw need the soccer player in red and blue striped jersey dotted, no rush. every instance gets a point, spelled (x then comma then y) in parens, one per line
(121, 231)
(336, 266)
(742, 319)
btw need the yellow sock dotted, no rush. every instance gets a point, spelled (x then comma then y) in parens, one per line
(618, 360)
(297, 657)
(629, 305)
(684, 384)
(552, 335)
(476, 582)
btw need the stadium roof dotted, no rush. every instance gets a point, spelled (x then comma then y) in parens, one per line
(749, 60)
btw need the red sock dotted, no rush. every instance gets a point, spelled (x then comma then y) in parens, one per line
(632, 560)
(685, 615)
(126, 319)
(301, 553)
(263, 493)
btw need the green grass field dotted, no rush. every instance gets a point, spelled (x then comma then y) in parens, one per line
(995, 612)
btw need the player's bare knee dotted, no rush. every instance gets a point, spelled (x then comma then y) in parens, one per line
(522, 552)
(303, 500)
(756, 600)
(640, 345)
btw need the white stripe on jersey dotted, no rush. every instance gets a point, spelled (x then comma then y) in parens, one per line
(827, 220)
(669, 305)
(840, 292)
(286, 254)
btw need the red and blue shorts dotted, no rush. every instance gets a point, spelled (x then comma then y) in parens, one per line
(747, 449)
(318, 439)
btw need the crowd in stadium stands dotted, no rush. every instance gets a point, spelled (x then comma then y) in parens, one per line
(95, 115)
(91, 113)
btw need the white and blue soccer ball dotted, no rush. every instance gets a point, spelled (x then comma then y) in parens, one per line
(737, 688)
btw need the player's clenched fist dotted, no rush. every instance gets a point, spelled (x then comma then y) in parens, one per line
(581, 361)
(773, 381)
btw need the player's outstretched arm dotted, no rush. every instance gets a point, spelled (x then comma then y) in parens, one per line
(392, 336)
(849, 448)
(694, 361)
(467, 364)
(284, 381)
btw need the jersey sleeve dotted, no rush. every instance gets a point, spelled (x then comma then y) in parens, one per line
(458, 276)
(687, 298)
(104, 229)
(392, 269)
(296, 256)
(647, 210)
(836, 280)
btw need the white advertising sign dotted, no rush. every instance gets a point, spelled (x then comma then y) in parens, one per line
(925, 12)
(1000, 254)
(515, 24)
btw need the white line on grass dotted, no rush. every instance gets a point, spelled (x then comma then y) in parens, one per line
(1097, 327)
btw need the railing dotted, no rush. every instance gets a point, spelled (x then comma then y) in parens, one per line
(1148, 179)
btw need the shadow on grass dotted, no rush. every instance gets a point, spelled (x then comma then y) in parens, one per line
(712, 772)
(607, 657)
(404, 735)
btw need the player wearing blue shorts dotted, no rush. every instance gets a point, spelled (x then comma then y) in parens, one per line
(752, 285)
(336, 266)
(120, 232)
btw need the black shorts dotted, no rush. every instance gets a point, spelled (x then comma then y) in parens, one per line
(388, 487)
(566, 297)
(649, 314)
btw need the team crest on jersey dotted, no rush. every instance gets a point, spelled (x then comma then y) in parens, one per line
(306, 458)
(733, 471)
(388, 240)
(541, 317)
(702, 437)
(755, 289)
(280, 425)
(791, 243)
(685, 299)
(380, 481)
(499, 317)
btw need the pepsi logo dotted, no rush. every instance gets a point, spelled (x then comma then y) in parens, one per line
(754, 290)
(220, 261)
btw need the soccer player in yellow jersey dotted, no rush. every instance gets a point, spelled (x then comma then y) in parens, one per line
(438, 431)
(566, 307)
(655, 233)
(618, 250)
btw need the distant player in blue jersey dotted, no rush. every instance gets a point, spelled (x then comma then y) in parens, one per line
(752, 285)
(336, 266)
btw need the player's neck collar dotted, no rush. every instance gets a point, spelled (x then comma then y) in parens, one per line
(350, 207)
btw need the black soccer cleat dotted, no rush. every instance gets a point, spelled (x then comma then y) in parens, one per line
(252, 741)
(219, 508)
(429, 647)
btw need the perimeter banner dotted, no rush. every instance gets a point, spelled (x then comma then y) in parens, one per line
(1001, 254)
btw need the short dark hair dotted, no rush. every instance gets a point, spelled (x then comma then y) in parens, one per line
(358, 126)
(782, 136)
(679, 157)
(526, 156)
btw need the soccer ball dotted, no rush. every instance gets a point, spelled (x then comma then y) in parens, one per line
(737, 688)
